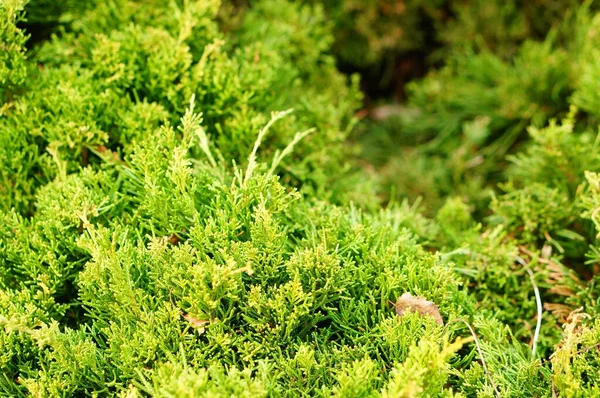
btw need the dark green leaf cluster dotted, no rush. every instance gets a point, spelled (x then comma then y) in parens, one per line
(373, 32)
(462, 120)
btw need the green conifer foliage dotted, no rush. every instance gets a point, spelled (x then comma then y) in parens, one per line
(372, 32)
(13, 68)
(154, 240)
(107, 79)
(180, 214)
(163, 266)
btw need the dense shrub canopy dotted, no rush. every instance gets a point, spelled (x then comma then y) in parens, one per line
(182, 213)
